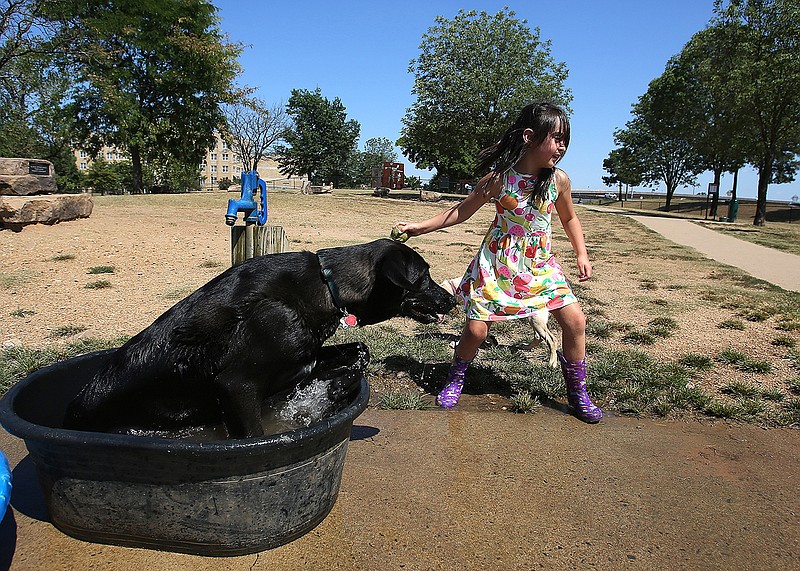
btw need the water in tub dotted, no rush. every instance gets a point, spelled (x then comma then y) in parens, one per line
(301, 408)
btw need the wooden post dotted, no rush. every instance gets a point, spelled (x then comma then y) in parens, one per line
(251, 240)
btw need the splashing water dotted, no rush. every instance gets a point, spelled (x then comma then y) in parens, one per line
(307, 405)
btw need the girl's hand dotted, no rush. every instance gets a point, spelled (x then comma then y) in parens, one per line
(584, 268)
(410, 228)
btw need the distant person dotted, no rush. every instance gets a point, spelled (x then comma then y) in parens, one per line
(514, 275)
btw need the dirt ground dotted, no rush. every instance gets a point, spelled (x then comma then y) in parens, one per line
(701, 495)
(162, 247)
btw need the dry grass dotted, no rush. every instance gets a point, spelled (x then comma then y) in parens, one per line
(169, 245)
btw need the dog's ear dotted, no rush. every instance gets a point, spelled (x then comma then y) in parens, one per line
(404, 268)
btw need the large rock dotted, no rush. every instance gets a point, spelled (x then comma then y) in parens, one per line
(24, 177)
(19, 211)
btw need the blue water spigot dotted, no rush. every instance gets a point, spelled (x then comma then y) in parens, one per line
(255, 212)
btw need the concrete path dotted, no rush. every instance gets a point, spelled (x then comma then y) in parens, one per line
(768, 264)
(459, 490)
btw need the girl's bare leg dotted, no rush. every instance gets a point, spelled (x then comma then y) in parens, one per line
(472, 337)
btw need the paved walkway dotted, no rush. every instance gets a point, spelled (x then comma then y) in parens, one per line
(768, 264)
(475, 491)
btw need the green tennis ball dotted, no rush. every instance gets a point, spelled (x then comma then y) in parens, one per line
(397, 235)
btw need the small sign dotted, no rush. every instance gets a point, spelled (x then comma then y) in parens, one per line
(38, 168)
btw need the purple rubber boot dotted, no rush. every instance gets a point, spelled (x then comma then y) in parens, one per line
(455, 383)
(575, 376)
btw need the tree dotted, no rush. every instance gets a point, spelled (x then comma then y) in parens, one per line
(252, 129)
(623, 169)
(706, 64)
(763, 36)
(103, 178)
(472, 76)
(376, 151)
(658, 138)
(413, 182)
(149, 77)
(322, 142)
(32, 90)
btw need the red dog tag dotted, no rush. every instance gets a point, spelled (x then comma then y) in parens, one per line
(348, 320)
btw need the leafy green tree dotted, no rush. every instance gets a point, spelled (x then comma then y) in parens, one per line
(762, 36)
(657, 140)
(473, 75)
(706, 65)
(149, 77)
(413, 182)
(623, 169)
(376, 151)
(322, 142)
(102, 177)
(32, 90)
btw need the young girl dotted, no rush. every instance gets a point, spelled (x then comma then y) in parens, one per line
(513, 275)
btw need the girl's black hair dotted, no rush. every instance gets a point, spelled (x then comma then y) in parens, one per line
(542, 118)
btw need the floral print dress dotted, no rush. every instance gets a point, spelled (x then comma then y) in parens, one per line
(513, 275)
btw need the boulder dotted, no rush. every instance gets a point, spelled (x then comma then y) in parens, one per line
(429, 196)
(24, 177)
(19, 211)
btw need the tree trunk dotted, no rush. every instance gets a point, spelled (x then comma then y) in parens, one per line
(764, 176)
(670, 192)
(136, 164)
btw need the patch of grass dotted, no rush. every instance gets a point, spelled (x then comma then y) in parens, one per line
(662, 327)
(13, 279)
(100, 270)
(660, 302)
(788, 324)
(211, 264)
(22, 312)
(178, 293)
(18, 362)
(735, 324)
(639, 337)
(648, 284)
(741, 389)
(404, 400)
(696, 361)
(784, 341)
(742, 362)
(99, 284)
(794, 357)
(524, 403)
(67, 331)
(63, 257)
(600, 329)
(756, 315)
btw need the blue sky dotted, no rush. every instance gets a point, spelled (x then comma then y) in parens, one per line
(359, 51)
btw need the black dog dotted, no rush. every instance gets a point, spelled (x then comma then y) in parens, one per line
(255, 331)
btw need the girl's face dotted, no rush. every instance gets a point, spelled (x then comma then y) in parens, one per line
(549, 152)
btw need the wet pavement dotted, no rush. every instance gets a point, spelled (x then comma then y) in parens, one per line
(492, 490)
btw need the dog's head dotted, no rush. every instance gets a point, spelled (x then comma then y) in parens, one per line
(421, 299)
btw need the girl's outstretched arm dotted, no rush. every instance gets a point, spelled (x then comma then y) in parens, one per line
(487, 188)
(572, 226)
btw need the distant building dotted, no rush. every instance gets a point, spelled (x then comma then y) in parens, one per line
(219, 163)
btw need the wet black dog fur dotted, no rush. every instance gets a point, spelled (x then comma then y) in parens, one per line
(253, 332)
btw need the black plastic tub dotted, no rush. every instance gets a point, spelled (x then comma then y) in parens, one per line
(227, 497)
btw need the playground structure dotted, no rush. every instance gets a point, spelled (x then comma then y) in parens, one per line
(389, 176)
